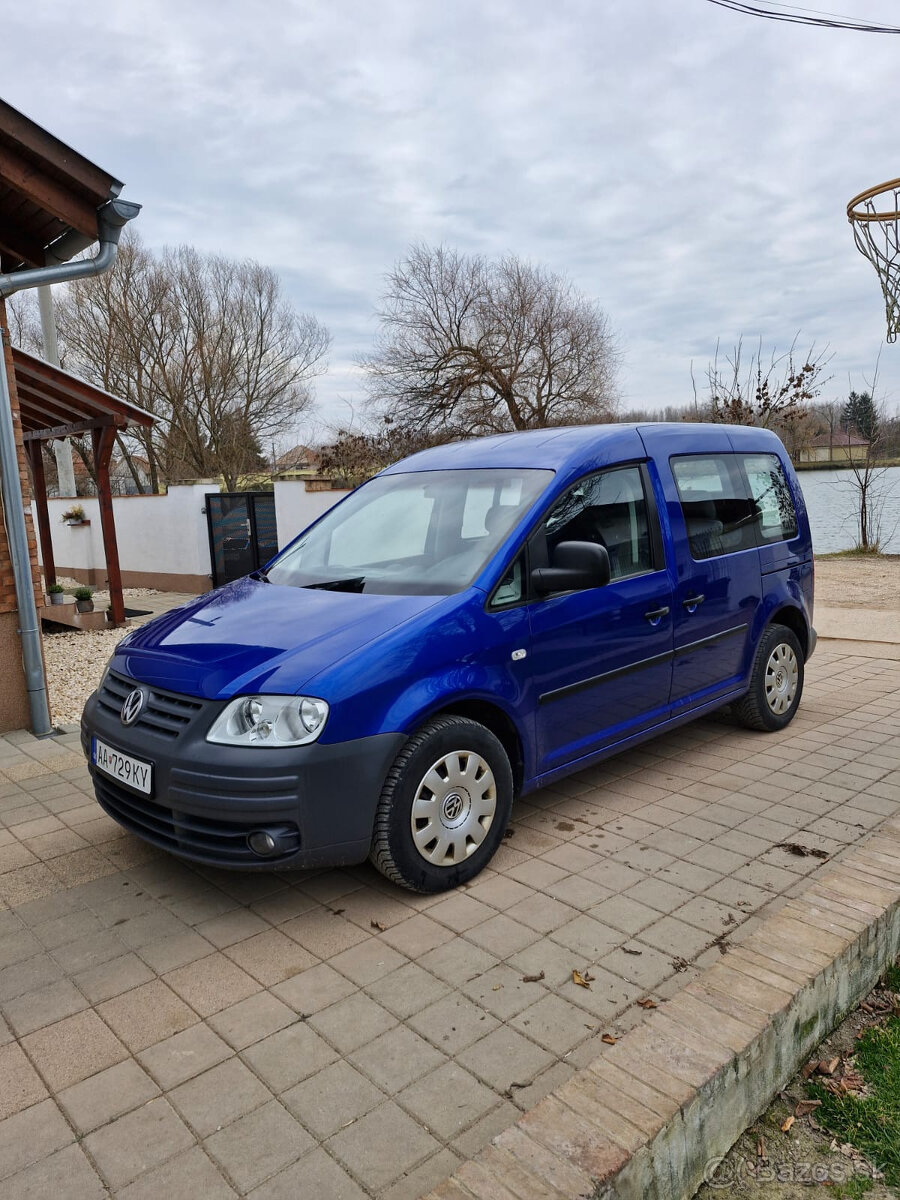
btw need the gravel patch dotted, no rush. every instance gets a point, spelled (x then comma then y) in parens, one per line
(75, 662)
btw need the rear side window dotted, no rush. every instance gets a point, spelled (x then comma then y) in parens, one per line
(776, 515)
(718, 513)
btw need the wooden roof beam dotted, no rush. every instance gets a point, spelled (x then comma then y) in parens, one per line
(62, 431)
(56, 198)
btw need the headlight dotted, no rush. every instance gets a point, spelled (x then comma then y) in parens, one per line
(269, 721)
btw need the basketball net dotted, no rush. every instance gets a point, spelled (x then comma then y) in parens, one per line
(875, 217)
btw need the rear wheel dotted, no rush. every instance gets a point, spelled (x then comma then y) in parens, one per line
(444, 807)
(776, 682)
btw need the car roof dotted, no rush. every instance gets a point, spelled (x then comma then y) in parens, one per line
(557, 449)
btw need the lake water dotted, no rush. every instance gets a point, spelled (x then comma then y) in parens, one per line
(832, 505)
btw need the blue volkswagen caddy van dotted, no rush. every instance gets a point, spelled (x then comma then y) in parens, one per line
(476, 621)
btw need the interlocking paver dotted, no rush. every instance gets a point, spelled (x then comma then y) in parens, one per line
(504, 1057)
(137, 1142)
(66, 1173)
(368, 961)
(407, 990)
(72, 1049)
(284, 1058)
(316, 1174)
(210, 984)
(627, 872)
(219, 1096)
(396, 1058)
(183, 1055)
(188, 1176)
(332, 1098)
(147, 1014)
(270, 957)
(315, 989)
(107, 1095)
(34, 1010)
(382, 1145)
(259, 1145)
(252, 1020)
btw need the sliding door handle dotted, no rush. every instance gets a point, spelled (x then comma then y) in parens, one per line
(655, 615)
(692, 603)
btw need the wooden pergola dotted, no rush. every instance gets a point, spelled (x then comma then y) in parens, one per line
(55, 404)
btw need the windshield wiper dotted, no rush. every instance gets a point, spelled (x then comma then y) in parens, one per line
(353, 584)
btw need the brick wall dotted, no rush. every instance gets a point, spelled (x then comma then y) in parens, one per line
(7, 587)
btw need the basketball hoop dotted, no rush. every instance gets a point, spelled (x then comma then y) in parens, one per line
(876, 228)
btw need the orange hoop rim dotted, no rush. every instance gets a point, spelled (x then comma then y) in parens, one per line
(870, 194)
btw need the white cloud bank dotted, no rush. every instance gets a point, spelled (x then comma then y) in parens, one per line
(687, 166)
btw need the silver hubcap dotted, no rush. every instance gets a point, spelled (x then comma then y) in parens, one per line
(453, 808)
(782, 673)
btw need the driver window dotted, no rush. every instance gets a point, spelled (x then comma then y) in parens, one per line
(610, 510)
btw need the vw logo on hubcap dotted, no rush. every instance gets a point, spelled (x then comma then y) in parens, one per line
(131, 708)
(453, 806)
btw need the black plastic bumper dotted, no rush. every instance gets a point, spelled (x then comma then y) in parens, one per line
(206, 799)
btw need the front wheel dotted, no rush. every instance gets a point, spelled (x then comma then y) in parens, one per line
(776, 682)
(444, 807)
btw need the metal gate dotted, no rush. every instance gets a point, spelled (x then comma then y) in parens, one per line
(242, 534)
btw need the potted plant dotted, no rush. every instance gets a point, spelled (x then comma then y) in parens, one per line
(73, 515)
(57, 593)
(84, 599)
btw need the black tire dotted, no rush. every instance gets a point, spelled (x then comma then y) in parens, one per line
(394, 851)
(763, 708)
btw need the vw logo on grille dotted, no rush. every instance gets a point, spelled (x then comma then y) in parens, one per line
(131, 708)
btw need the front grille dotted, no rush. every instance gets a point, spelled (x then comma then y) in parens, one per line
(197, 837)
(165, 714)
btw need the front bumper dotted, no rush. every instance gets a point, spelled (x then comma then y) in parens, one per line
(208, 798)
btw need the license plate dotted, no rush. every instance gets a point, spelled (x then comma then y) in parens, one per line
(128, 770)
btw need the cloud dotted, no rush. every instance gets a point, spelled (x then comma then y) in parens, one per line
(687, 166)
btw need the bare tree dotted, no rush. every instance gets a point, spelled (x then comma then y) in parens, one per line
(873, 489)
(354, 455)
(25, 322)
(208, 345)
(772, 394)
(478, 346)
(825, 417)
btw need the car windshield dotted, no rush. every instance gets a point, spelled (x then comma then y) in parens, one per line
(416, 533)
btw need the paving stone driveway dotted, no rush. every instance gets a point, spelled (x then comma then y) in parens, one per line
(176, 1032)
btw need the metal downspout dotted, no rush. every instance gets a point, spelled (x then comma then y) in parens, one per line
(111, 218)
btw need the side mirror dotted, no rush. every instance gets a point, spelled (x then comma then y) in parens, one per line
(576, 566)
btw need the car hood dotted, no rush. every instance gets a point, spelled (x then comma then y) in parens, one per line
(256, 636)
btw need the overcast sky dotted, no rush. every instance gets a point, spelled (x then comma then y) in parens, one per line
(687, 166)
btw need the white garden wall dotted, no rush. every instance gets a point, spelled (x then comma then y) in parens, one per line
(296, 506)
(163, 540)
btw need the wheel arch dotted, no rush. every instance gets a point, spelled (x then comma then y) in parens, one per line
(501, 725)
(792, 618)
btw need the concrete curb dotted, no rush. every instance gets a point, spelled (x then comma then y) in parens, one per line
(653, 1114)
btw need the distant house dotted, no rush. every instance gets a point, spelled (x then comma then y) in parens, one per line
(837, 447)
(121, 478)
(299, 459)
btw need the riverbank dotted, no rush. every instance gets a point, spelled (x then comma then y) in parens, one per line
(859, 581)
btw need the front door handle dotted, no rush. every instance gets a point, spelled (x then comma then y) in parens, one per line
(655, 615)
(692, 603)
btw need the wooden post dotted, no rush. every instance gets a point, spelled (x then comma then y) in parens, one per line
(35, 454)
(103, 439)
